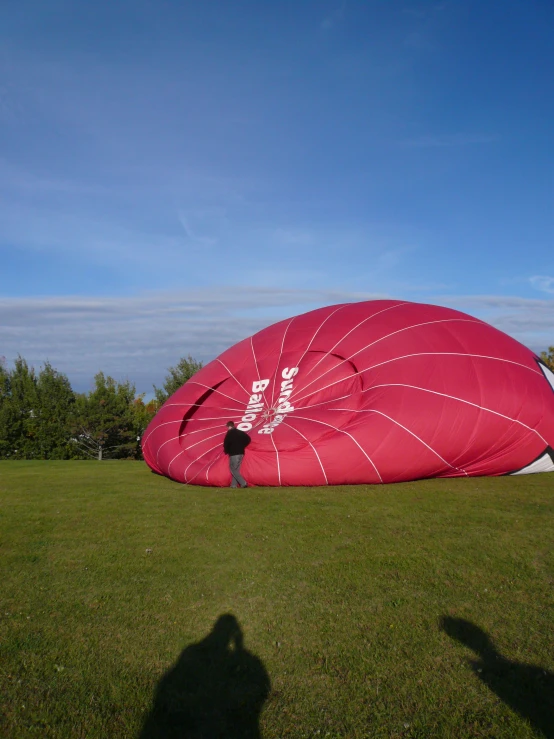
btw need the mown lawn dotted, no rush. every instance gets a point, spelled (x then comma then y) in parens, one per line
(414, 610)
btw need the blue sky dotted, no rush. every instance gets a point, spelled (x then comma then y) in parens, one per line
(176, 175)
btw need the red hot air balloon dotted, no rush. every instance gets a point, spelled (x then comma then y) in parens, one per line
(372, 392)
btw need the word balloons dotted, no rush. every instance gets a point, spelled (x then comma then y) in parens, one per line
(374, 392)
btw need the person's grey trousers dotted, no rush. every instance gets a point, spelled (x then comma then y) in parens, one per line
(234, 465)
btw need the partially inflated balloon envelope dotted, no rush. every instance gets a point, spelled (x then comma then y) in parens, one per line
(374, 392)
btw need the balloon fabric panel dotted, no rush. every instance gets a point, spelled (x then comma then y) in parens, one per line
(362, 393)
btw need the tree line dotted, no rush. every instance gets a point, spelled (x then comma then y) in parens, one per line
(42, 417)
(548, 357)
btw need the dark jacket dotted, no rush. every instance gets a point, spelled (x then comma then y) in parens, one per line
(235, 442)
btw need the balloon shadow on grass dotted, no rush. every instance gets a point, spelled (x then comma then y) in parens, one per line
(526, 689)
(215, 690)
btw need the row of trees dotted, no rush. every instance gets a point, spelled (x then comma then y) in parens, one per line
(41, 417)
(548, 357)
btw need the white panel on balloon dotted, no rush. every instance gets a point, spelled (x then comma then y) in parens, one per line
(548, 374)
(542, 464)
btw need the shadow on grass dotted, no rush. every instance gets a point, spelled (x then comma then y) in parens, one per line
(216, 690)
(527, 689)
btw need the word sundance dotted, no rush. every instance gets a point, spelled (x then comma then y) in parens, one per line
(277, 413)
(283, 405)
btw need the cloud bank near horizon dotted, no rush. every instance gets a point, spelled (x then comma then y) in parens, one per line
(139, 337)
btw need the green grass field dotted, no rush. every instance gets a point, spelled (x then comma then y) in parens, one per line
(416, 610)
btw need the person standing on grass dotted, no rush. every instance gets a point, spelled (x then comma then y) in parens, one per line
(234, 445)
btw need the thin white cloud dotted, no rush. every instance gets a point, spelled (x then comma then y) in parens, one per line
(544, 283)
(192, 235)
(530, 321)
(140, 337)
(97, 240)
(149, 240)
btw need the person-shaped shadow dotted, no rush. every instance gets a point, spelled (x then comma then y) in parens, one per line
(527, 689)
(216, 690)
